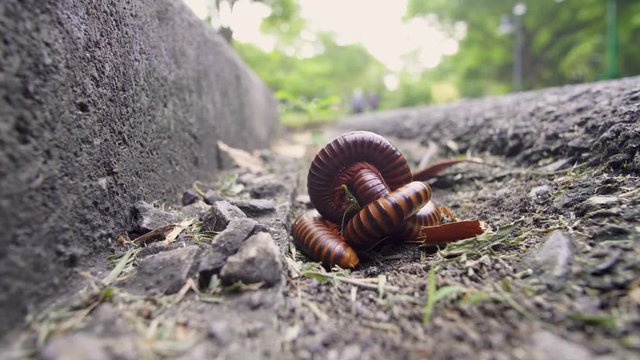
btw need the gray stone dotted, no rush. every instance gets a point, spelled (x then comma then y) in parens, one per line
(220, 332)
(189, 197)
(146, 217)
(105, 103)
(351, 352)
(157, 247)
(552, 260)
(546, 346)
(267, 189)
(619, 161)
(212, 196)
(557, 165)
(219, 216)
(163, 273)
(224, 245)
(103, 338)
(305, 200)
(611, 230)
(197, 210)
(229, 240)
(75, 347)
(608, 264)
(540, 194)
(256, 207)
(257, 260)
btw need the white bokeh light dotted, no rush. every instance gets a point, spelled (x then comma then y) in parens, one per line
(376, 24)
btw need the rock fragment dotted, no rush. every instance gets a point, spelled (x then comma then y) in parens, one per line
(256, 207)
(196, 210)
(165, 272)
(189, 197)
(540, 194)
(146, 217)
(257, 260)
(557, 165)
(212, 196)
(267, 189)
(552, 260)
(224, 245)
(546, 345)
(220, 332)
(305, 200)
(75, 347)
(220, 215)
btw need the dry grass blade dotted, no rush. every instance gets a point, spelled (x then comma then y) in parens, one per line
(127, 258)
(315, 310)
(381, 326)
(435, 295)
(479, 244)
(324, 276)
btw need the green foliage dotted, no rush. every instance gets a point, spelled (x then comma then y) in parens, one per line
(333, 72)
(284, 20)
(315, 89)
(412, 90)
(298, 111)
(564, 42)
(435, 295)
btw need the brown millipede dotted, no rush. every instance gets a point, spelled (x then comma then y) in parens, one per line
(367, 167)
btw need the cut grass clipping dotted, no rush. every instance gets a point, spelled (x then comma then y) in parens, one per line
(337, 276)
(435, 295)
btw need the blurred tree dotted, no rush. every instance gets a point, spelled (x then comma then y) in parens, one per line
(412, 90)
(311, 89)
(284, 20)
(334, 71)
(562, 41)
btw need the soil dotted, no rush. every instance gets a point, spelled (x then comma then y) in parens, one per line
(503, 300)
(556, 276)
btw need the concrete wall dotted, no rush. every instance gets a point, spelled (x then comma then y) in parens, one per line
(103, 103)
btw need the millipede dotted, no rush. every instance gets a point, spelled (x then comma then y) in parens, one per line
(321, 240)
(364, 193)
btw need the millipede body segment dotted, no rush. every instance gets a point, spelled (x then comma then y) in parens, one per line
(385, 215)
(321, 240)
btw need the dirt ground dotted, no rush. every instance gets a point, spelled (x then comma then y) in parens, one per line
(556, 276)
(504, 305)
(563, 160)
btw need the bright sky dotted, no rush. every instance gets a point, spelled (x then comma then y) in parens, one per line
(376, 24)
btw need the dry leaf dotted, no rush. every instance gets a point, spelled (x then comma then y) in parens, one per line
(167, 233)
(155, 235)
(242, 158)
(173, 234)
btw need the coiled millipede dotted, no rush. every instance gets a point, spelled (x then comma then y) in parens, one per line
(360, 179)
